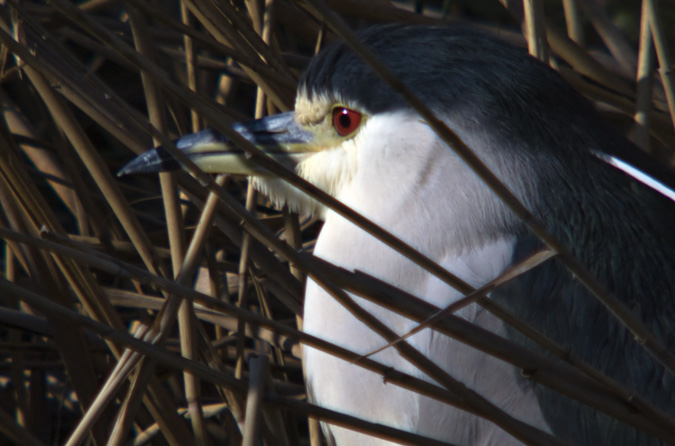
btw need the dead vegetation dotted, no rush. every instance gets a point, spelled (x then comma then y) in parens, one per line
(106, 339)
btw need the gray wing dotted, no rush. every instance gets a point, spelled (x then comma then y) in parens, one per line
(626, 237)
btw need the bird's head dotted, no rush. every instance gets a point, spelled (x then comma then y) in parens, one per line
(351, 132)
(347, 122)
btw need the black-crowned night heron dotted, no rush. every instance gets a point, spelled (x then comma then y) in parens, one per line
(357, 139)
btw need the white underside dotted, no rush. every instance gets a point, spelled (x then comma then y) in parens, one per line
(348, 388)
(396, 172)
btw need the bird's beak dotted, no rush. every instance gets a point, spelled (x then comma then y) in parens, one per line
(279, 136)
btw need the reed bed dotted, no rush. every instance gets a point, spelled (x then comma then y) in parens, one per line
(167, 309)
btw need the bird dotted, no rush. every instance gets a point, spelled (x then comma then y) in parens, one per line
(352, 135)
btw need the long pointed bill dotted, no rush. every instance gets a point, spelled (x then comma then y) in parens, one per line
(279, 136)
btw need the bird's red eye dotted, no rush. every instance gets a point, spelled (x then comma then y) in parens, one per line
(345, 120)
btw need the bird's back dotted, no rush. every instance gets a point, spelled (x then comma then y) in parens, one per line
(622, 231)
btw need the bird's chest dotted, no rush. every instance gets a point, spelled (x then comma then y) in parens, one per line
(348, 388)
(346, 245)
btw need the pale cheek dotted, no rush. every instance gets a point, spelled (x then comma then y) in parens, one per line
(329, 170)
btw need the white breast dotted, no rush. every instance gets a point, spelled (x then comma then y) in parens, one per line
(432, 201)
(348, 388)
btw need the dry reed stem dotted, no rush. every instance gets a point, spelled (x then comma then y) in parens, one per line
(90, 262)
(644, 80)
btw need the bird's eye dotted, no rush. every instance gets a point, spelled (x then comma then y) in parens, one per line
(345, 120)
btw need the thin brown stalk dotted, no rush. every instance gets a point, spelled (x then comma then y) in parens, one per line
(535, 29)
(663, 54)
(573, 21)
(256, 389)
(645, 73)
